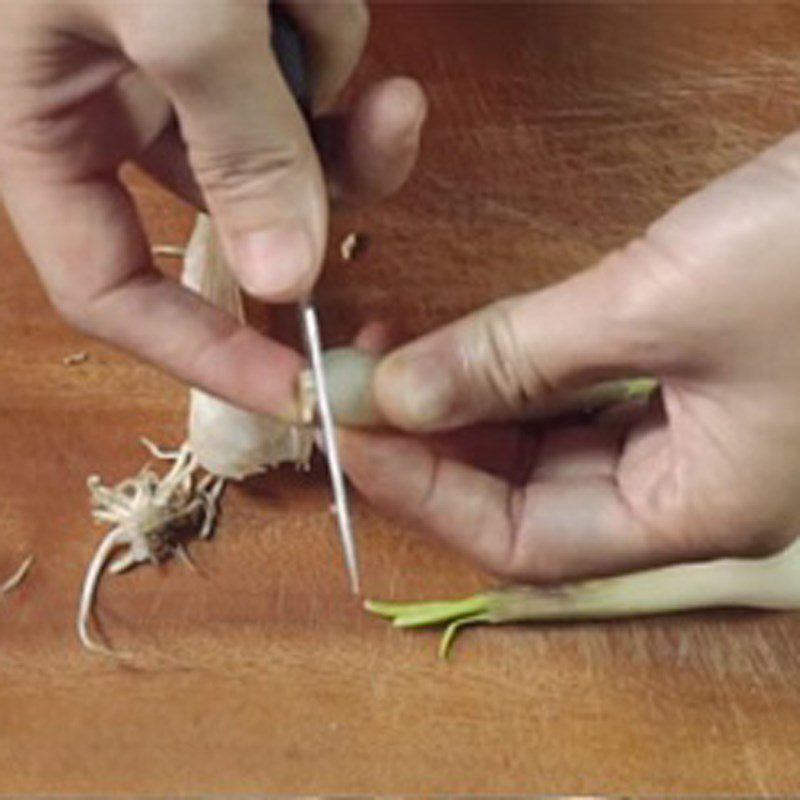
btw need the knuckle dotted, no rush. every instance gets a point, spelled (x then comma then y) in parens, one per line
(159, 59)
(23, 139)
(244, 175)
(521, 560)
(650, 286)
(75, 311)
(513, 562)
(164, 46)
(501, 363)
(359, 21)
(153, 53)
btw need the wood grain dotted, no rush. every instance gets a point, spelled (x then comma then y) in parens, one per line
(557, 131)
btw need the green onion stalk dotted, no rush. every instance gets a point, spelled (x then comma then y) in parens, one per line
(771, 583)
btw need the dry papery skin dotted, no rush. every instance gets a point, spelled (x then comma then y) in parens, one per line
(228, 441)
(75, 359)
(151, 514)
(353, 245)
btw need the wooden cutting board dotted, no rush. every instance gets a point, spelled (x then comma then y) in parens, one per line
(557, 131)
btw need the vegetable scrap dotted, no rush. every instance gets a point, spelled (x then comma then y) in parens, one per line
(18, 577)
(770, 583)
(152, 516)
(168, 251)
(353, 246)
(228, 441)
(75, 359)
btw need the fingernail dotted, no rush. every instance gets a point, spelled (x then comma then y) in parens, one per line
(276, 264)
(411, 106)
(421, 118)
(409, 135)
(414, 134)
(416, 391)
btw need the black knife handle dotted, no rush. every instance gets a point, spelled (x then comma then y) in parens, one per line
(290, 52)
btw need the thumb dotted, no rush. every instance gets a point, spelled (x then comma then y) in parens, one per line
(520, 355)
(248, 145)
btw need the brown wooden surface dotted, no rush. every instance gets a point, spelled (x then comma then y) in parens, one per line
(557, 131)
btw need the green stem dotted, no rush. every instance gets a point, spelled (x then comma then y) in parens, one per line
(766, 583)
(418, 615)
(610, 393)
(452, 630)
(455, 613)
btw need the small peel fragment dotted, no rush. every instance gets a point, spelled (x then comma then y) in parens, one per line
(353, 245)
(75, 359)
(168, 251)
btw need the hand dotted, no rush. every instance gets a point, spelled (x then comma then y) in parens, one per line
(191, 93)
(707, 301)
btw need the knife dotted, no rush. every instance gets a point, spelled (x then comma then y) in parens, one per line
(289, 49)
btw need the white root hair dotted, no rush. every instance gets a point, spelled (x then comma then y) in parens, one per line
(168, 251)
(18, 577)
(149, 514)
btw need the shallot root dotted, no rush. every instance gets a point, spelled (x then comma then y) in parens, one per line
(150, 516)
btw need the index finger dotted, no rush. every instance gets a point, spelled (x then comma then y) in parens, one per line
(96, 265)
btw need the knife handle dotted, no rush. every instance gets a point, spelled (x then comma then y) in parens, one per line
(290, 52)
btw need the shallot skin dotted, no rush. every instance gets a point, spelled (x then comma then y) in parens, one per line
(228, 441)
